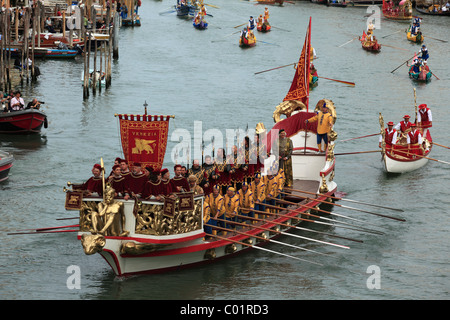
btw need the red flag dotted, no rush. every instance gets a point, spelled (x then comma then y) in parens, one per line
(144, 139)
(299, 89)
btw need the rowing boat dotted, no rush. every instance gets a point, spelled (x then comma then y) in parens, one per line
(418, 38)
(369, 45)
(400, 12)
(27, 121)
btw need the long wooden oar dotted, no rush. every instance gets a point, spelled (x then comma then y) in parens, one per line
(345, 199)
(330, 213)
(259, 237)
(440, 145)
(341, 81)
(225, 37)
(50, 231)
(347, 42)
(261, 248)
(240, 25)
(369, 135)
(356, 152)
(386, 45)
(434, 75)
(388, 35)
(281, 29)
(213, 6)
(351, 208)
(297, 227)
(402, 64)
(284, 233)
(418, 155)
(287, 65)
(340, 224)
(267, 42)
(437, 39)
(51, 228)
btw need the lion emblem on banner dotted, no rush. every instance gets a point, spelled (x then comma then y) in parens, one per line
(142, 145)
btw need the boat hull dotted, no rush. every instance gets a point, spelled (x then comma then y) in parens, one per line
(22, 122)
(414, 38)
(200, 26)
(372, 47)
(6, 162)
(393, 165)
(263, 27)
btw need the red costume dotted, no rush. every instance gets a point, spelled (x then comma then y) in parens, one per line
(180, 182)
(424, 116)
(136, 182)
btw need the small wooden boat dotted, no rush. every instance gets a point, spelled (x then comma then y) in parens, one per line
(200, 25)
(435, 10)
(405, 158)
(245, 41)
(369, 45)
(6, 162)
(263, 27)
(418, 38)
(185, 10)
(424, 75)
(134, 21)
(401, 12)
(27, 121)
(54, 53)
(271, 2)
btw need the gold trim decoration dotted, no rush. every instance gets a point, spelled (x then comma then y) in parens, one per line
(151, 219)
(74, 200)
(140, 248)
(323, 188)
(210, 254)
(286, 108)
(186, 201)
(231, 248)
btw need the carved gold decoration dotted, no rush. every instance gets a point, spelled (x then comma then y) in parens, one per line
(286, 108)
(139, 248)
(92, 243)
(248, 241)
(331, 176)
(150, 219)
(210, 254)
(231, 248)
(323, 188)
(74, 200)
(382, 132)
(109, 219)
(260, 128)
(330, 153)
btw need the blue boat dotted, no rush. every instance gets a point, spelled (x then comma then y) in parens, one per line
(202, 25)
(185, 10)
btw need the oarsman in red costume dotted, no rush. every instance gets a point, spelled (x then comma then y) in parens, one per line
(414, 140)
(118, 182)
(403, 125)
(390, 136)
(179, 181)
(153, 189)
(424, 118)
(95, 183)
(136, 180)
(238, 167)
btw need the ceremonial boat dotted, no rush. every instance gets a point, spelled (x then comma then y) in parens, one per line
(50, 53)
(28, 121)
(423, 75)
(263, 27)
(369, 45)
(401, 11)
(418, 38)
(6, 162)
(403, 157)
(202, 25)
(245, 41)
(434, 10)
(148, 236)
(185, 10)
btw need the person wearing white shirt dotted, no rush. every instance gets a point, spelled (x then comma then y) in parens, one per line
(17, 102)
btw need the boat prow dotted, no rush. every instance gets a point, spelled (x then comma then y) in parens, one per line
(27, 121)
(6, 162)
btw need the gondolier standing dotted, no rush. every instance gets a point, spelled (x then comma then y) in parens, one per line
(390, 136)
(323, 128)
(424, 118)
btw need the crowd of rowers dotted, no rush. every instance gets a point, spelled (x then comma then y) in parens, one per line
(414, 132)
(230, 188)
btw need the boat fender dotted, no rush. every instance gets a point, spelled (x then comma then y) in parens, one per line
(45, 123)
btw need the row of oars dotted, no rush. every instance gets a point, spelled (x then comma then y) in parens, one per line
(293, 64)
(253, 231)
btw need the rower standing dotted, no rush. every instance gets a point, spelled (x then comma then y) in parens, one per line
(251, 24)
(403, 125)
(390, 136)
(424, 118)
(424, 53)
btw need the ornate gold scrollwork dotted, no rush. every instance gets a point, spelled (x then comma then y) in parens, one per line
(231, 248)
(323, 188)
(150, 219)
(139, 248)
(210, 254)
(92, 243)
